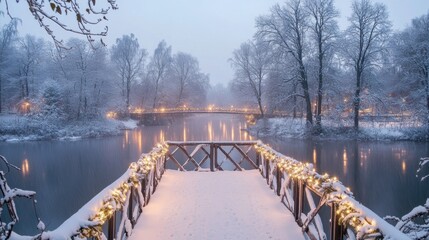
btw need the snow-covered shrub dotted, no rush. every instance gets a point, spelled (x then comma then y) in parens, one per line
(415, 223)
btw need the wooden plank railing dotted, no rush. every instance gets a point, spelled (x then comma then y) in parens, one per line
(113, 213)
(204, 155)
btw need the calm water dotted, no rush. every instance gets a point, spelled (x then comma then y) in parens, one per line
(66, 174)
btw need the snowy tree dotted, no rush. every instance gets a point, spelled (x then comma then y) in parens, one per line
(366, 41)
(129, 59)
(84, 73)
(412, 56)
(324, 29)
(158, 69)
(285, 29)
(251, 63)
(186, 77)
(7, 35)
(31, 53)
(282, 86)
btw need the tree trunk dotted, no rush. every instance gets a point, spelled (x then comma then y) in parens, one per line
(427, 99)
(155, 97)
(356, 100)
(304, 84)
(261, 109)
(80, 98)
(156, 92)
(294, 99)
(319, 89)
(27, 92)
(128, 90)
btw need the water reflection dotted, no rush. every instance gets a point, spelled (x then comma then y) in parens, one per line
(314, 156)
(210, 130)
(345, 159)
(25, 167)
(70, 173)
(184, 132)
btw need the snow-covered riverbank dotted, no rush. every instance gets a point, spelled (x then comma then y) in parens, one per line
(16, 128)
(295, 128)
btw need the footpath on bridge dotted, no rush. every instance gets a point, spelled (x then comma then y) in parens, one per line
(215, 205)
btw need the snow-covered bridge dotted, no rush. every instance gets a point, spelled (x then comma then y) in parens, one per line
(199, 199)
(215, 205)
(138, 113)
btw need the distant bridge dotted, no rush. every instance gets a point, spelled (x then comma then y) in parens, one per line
(139, 113)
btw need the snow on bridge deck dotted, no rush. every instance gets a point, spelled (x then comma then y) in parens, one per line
(215, 205)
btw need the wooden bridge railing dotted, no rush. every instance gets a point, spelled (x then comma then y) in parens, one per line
(113, 213)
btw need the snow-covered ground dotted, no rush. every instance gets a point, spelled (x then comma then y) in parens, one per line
(296, 128)
(16, 128)
(215, 205)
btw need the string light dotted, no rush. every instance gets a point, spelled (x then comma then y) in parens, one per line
(330, 187)
(118, 196)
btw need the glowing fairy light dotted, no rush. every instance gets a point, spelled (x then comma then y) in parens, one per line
(118, 196)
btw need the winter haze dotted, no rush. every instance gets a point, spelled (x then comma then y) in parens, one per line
(209, 30)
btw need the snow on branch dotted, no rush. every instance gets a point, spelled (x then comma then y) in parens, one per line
(8, 200)
(415, 223)
(422, 163)
(85, 15)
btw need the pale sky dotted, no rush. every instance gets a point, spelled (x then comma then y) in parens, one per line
(209, 30)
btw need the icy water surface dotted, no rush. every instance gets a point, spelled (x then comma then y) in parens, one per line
(66, 174)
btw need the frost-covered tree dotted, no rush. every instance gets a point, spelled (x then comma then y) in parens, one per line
(412, 56)
(324, 30)
(185, 76)
(251, 64)
(364, 44)
(7, 36)
(158, 69)
(285, 29)
(31, 54)
(128, 59)
(84, 78)
(282, 87)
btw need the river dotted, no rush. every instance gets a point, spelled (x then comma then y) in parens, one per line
(67, 174)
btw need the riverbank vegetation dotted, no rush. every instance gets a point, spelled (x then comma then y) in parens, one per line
(339, 81)
(48, 92)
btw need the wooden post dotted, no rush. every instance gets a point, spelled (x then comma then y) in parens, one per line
(267, 170)
(258, 159)
(111, 231)
(215, 148)
(212, 161)
(298, 199)
(130, 208)
(336, 228)
(155, 180)
(278, 180)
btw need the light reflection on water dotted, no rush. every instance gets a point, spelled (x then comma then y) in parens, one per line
(66, 175)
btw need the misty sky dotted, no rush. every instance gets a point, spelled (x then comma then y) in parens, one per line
(209, 30)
